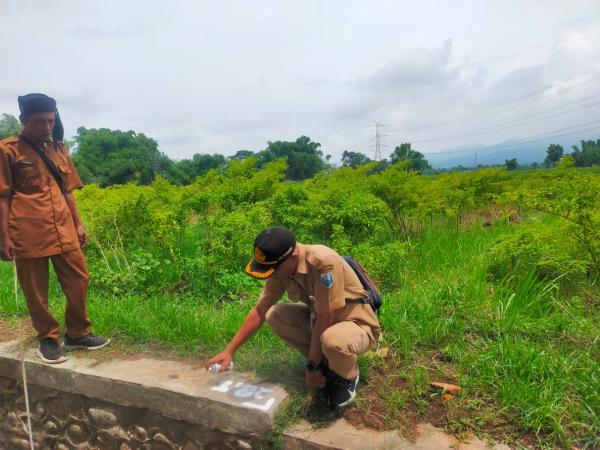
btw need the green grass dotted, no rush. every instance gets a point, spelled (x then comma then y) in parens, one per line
(523, 349)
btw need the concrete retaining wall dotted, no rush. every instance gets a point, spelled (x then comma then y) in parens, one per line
(141, 403)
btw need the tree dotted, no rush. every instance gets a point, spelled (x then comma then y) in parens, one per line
(416, 160)
(589, 155)
(110, 157)
(553, 154)
(9, 126)
(510, 164)
(186, 170)
(353, 159)
(304, 157)
(241, 155)
(566, 162)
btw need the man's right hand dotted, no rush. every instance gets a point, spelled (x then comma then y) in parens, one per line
(7, 250)
(223, 358)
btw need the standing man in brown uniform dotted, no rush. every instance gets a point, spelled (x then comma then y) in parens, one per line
(330, 326)
(39, 221)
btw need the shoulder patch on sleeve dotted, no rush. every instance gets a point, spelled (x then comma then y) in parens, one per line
(327, 279)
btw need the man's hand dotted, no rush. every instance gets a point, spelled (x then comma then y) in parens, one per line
(315, 380)
(7, 250)
(252, 322)
(223, 358)
(82, 235)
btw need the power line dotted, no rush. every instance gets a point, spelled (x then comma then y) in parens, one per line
(524, 140)
(499, 108)
(505, 125)
(584, 99)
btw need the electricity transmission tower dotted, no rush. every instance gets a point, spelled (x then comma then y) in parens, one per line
(379, 125)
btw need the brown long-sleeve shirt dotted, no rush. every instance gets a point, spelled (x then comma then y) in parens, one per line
(40, 222)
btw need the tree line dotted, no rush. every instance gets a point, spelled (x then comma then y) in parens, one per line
(109, 157)
(588, 154)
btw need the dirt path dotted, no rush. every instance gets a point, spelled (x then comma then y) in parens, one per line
(14, 329)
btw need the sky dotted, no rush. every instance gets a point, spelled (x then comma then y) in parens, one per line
(218, 77)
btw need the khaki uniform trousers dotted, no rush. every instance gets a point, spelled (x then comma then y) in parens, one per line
(341, 343)
(72, 273)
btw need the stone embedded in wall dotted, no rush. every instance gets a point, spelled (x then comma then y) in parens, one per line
(65, 421)
(242, 445)
(160, 440)
(102, 418)
(18, 444)
(77, 431)
(138, 434)
(52, 428)
(113, 437)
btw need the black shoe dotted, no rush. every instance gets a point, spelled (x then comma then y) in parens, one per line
(329, 375)
(89, 342)
(51, 352)
(341, 391)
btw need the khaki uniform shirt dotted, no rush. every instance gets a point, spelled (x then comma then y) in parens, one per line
(324, 281)
(40, 222)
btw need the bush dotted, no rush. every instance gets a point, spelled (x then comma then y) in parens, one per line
(542, 249)
(139, 272)
(383, 262)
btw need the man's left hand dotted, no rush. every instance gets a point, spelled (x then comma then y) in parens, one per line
(82, 235)
(315, 380)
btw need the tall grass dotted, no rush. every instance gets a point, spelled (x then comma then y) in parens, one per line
(529, 349)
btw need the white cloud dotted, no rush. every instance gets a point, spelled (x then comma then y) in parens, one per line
(218, 77)
(581, 44)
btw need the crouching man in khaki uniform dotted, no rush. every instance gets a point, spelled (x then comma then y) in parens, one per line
(330, 323)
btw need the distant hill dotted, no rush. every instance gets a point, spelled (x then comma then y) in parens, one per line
(526, 152)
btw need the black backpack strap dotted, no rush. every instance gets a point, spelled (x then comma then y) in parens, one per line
(355, 301)
(374, 295)
(365, 301)
(49, 164)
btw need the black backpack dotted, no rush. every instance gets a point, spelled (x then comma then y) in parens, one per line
(368, 285)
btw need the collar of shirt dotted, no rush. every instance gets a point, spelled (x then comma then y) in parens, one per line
(48, 142)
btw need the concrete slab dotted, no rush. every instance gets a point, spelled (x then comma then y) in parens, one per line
(343, 436)
(226, 402)
(229, 403)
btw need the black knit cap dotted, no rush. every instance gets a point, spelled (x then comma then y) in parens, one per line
(39, 103)
(271, 248)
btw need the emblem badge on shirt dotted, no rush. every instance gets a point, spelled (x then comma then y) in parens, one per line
(327, 279)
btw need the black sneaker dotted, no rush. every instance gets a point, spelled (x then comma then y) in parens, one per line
(51, 352)
(341, 391)
(89, 342)
(330, 376)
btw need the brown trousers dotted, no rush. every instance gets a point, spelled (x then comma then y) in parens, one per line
(72, 273)
(341, 343)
